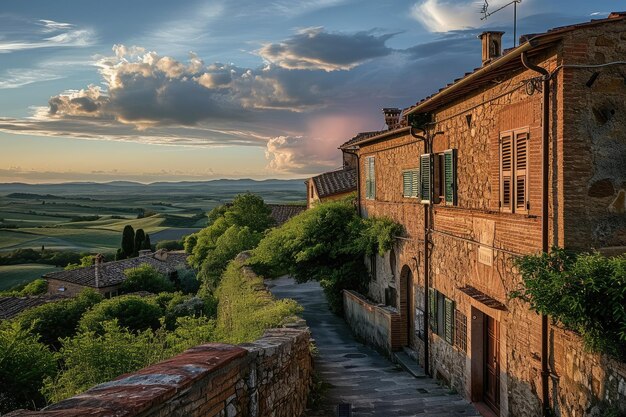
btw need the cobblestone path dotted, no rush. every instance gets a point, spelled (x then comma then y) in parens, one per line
(359, 375)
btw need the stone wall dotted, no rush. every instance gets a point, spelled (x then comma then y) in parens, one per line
(377, 325)
(269, 377)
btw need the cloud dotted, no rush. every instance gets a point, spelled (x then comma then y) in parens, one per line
(23, 34)
(19, 77)
(313, 48)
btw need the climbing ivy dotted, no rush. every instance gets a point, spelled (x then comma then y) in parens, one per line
(585, 292)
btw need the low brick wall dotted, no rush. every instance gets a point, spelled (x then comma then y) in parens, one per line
(377, 326)
(269, 377)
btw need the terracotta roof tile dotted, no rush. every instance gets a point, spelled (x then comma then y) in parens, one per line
(283, 212)
(335, 182)
(12, 306)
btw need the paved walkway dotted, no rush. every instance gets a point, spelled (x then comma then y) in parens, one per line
(359, 375)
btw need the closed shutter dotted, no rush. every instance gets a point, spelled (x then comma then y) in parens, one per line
(521, 171)
(407, 178)
(415, 183)
(506, 171)
(432, 309)
(372, 179)
(425, 183)
(450, 177)
(449, 320)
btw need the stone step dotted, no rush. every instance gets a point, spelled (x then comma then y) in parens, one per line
(410, 365)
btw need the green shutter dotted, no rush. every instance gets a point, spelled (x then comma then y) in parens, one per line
(406, 184)
(449, 320)
(432, 309)
(370, 183)
(415, 183)
(450, 174)
(425, 184)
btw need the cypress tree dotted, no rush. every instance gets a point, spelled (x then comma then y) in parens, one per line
(119, 255)
(128, 241)
(146, 243)
(140, 236)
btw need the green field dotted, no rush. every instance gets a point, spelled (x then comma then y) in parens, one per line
(90, 217)
(12, 275)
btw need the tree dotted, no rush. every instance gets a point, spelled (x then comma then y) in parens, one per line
(128, 241)
(170, 245)
(85, 261)
(146, 243)
(140, 237)
(59, 319)
(24, 364)
(131, 311)
(146, 278)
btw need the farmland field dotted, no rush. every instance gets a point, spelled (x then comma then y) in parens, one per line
(12, 275)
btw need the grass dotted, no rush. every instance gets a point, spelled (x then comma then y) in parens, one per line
(12, 275)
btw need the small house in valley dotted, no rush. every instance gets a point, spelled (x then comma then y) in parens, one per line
(107, 277)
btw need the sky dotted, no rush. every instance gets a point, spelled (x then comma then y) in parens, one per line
(157, 90)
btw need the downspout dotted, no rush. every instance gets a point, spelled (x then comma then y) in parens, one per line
(426, 267)
(545, 149)
(358, 178)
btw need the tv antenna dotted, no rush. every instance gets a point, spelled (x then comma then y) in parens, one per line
(484, 10)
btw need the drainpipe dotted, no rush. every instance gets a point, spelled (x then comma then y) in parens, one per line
(545, 148)
(358, 177)
(427, 149)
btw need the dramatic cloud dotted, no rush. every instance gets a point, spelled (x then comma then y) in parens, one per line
(313, 48)
(22, 34)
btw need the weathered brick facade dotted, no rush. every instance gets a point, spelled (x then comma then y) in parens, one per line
(472, 243)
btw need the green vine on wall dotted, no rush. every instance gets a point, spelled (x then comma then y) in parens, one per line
(585, 292)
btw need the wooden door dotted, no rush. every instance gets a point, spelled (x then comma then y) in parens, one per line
(491, 389)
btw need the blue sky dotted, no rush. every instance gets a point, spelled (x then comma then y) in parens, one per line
(161, 90)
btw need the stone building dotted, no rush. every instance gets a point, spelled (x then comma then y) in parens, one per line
(107, 277)
(465, 173)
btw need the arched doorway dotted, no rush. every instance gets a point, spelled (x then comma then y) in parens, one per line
(407, 303)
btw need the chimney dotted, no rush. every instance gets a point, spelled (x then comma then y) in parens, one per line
(392, 117)
(492, 45)
(161, 255)
(98, 260)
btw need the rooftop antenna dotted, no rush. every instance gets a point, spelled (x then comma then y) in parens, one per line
(484, 10)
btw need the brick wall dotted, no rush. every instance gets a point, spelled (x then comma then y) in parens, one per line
(269, 377)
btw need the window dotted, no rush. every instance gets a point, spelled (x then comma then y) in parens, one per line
(441, 315)
(391, 297)
(373, 267)
(443, 188)
(370, 178)
(410, 183)
(514, 171)
(460, 334)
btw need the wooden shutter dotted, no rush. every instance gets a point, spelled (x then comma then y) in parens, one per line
(450, 177)
(425, 175)
(407, 183)
(432, 309)
(415, 183)
(506, 171)
(372, 178)
(449, 321)
(521, 172)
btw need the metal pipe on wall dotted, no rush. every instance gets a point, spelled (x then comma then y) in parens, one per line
(545, 149)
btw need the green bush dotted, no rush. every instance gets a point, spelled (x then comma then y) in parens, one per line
(328, 244)
(131, 311)
(246, 309)
(170, 245)
(145, 278)
(187, 281)
(59, 319)
(24, 363)
(177, 305)
(585, 292)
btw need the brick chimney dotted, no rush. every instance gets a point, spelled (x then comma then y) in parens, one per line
(392, 117)
(492, 45)
(98, 261)
(161, 255)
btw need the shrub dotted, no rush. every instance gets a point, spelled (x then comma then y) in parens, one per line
(170, 245)
(36, 287)
(132, 312)
(187, 281)
(24, 363)
(246, 309)
(327, 243)
(145, 278)
(59, 319)
(585, 292)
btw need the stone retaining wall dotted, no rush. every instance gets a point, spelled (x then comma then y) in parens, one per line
(269, 377)
(378, 326)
